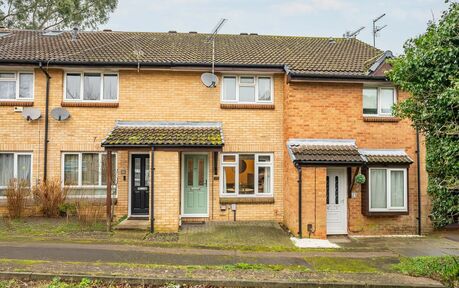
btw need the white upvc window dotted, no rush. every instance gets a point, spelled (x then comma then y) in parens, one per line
(247, 89)
(91, 87)
(388, 189)
(246, 175)
(84, 173)
(16, 86)
(14, 165)
(378, 101)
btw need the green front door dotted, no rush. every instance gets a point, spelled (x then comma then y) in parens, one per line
(195, 185)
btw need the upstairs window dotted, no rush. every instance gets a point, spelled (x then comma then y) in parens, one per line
(16, 86)
(247, 89)
(378, 101)
(91, 87)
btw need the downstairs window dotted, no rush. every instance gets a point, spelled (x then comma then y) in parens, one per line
(388, 189)
(14, 166)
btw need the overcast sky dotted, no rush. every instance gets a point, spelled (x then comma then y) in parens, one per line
(405, 18)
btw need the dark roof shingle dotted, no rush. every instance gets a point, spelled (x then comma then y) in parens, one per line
(309, 55)
(191, 134)
(317, 151)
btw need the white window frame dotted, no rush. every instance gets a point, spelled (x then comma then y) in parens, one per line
(257, 164)
(389, 207)
(16, 78)
(102, 74)
(80, 175)
(239, 84)
(378, 100)
(15, 167)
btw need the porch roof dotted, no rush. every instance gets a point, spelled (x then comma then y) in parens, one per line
(383, 156)
(165, 134)
(324, 151)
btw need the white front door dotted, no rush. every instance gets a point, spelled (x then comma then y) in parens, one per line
(336, 201)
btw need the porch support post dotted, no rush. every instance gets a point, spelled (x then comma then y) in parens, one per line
(152, 189)
(108, 170)
(300, 201)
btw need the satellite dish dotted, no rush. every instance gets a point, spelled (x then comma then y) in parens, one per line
(31, 114)
(209, 80)
(60, 114)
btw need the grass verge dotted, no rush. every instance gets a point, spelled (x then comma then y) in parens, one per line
(444, 269)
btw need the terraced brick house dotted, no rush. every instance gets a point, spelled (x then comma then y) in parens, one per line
(282, 136)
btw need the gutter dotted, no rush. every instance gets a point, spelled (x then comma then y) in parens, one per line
(45, 153)
(418, 168)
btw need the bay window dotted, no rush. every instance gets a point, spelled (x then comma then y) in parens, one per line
(388, 189)
(247, 89)
(14, 166)
(378, 101)
(91, 87)
(16, 86)
(246, 175)
(85, 173)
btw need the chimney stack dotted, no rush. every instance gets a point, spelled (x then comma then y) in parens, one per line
(75, 33)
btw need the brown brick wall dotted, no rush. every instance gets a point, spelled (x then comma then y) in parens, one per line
(150, 96)
(334, 111)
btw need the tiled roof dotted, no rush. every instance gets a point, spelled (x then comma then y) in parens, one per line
(386, 156)
(303, 55)
(317, 151)
(186, 134)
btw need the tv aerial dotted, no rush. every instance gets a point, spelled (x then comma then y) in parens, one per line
(353, 34)
(376, 28)
(60, 114)
(31, 114)
(210, 80)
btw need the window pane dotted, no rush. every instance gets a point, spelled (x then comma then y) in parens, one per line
(110, 87)
(71, 169)
(264, 89)
(147, 172)
(90, 169)
(370, 101)
(229, 158)
(91, 86)
(229, 180)
(229, 88)
(7, 76)
(190, 172)
(24, 167)
(264, 180)
(246, 94)
(247, 80)
(246, 174)
(264, 158)
(104, 169)
(201, 172)
(7, 89)
(137, 174)
(336, 190)
(6, 168)
(397, 193)
(328, 190)
(387, 100)
(378, 188)
(26, 85)
(73, 83)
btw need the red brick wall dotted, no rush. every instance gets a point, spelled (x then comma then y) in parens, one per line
(334, 111)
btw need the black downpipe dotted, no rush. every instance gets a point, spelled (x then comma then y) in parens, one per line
(300, 212)
(45, 153)
(152, 184)
(418, 164)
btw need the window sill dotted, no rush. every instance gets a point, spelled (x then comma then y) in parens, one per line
(16, 103)
(386, 213)
(246, 200)
(247, 106)
(380, 119)
(90, 104)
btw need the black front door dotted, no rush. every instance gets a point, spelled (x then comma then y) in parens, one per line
(140, 184)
